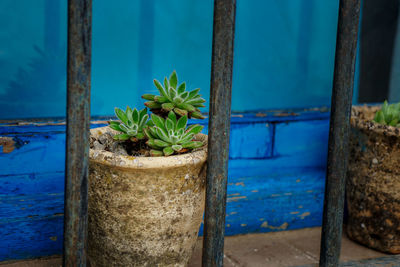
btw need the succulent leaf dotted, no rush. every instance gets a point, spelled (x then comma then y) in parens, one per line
(166, 87)
(152, 144)
(199, 106)
(172, 116)
(152, 104)
(143, 112)
(160, 143)
(197, 115)
(121, 115)
(181, 112)
(167, 106)
(121, 137)
(184, 95)
(169, 124)
(156, 153)
(194, 93)
(197, 100)
(181, 123)
(172, 93)
(168, 151)
(160, 99)
(135, 116)
(160, 88)
(173, 79)
(143, 120)
(140, 135)
(162, 135)
(115, 127)
(186, 138)
(158, 121)
(181, 88)
(147, 133)
(177, 148)
(187, 107)
(148, 97)
(153, 131)
(192, 144)
(128, 112)
(194, 129)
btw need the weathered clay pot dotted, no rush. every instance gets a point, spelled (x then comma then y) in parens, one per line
(144, 211)
(373, 182)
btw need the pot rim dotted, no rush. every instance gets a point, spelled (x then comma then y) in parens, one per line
(197, 156)
(366, 123)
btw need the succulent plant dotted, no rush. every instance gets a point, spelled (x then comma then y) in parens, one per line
(175, 98)
(388, 114)
(170, 135)
(131, 124)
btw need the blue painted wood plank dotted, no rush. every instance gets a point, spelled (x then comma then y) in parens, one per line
(252, 140)
(32, 238)
(249, 140)
(274, 202)
(27, 184)
(20, 208)
(302, 143)
(35, 128)
(37, 153)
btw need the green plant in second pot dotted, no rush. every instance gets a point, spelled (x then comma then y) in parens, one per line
(388, 114)
(171, 135)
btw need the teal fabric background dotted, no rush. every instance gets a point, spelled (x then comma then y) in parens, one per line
(284, 53)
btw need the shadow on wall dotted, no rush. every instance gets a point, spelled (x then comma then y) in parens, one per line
(41, 82)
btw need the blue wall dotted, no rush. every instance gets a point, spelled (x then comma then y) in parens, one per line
(284, 52)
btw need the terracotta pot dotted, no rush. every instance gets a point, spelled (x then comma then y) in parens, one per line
(373, 182)
(144, 211)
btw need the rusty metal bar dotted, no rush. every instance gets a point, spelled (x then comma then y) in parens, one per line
(346, 45)
(78, 122)
(219, 125)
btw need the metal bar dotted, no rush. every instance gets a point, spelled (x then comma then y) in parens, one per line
(346, 45)
(77, 141)
(219, 125)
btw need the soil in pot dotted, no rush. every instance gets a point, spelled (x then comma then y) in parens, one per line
(144, 211)
(373, 182)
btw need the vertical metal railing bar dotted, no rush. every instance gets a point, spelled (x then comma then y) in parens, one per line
(78, 123)
(346, 46)
(219, 126)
